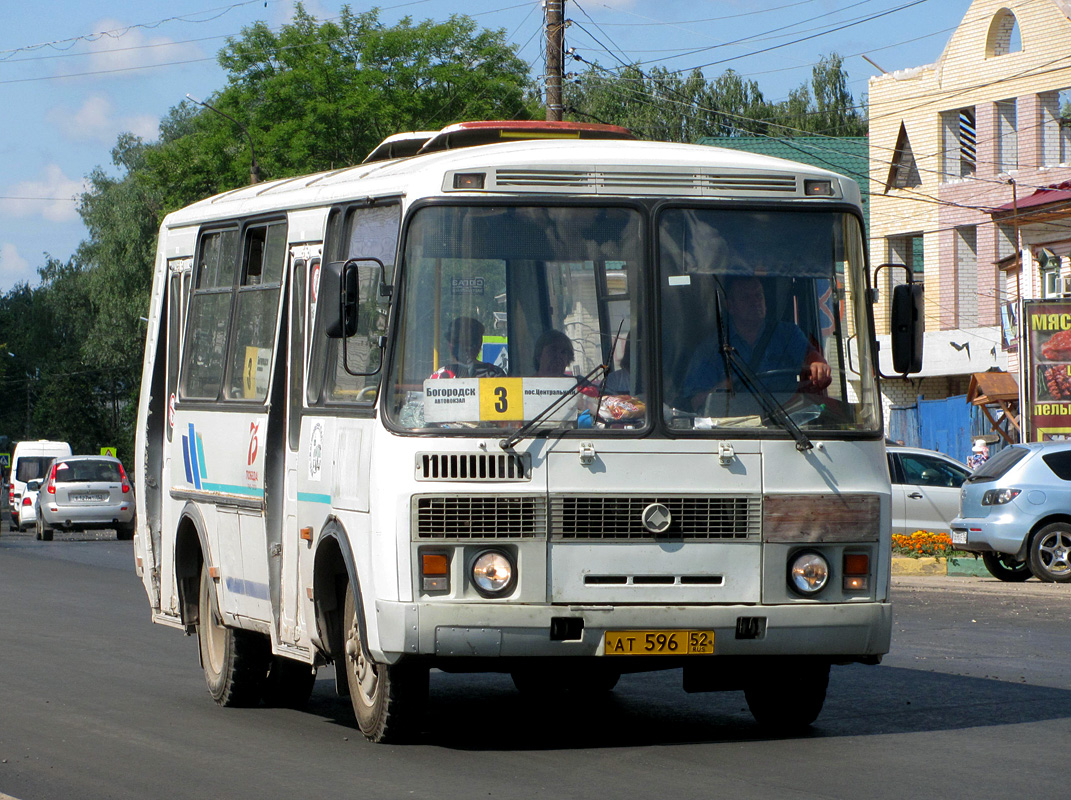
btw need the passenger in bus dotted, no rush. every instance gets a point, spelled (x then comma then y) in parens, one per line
(553, 354)
(777, 351)
(464, 338)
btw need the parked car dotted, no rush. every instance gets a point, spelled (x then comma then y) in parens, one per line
(1014, 511)
(28, 506)
(29, 462)
(85, 493)
(925, 489)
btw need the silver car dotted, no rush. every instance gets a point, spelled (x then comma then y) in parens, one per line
(925, 489)
(83, 493)
(1016, 511)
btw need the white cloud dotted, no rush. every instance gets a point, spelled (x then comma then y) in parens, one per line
(14, 269)
(12, 265)
(117, 48)
(96, 121)
(53, 196)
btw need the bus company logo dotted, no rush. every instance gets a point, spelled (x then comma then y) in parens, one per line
(254, 445)
(656, 518)
(193, 457)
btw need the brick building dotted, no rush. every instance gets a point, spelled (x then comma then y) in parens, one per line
(950, 142)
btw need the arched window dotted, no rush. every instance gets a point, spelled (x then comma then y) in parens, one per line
(1004, 35)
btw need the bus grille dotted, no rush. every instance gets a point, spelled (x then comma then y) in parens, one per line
(473, 467)
(625, 181)
(480, 517)
(609, 518)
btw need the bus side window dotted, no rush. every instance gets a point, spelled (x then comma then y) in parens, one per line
(209, 315)
(367, 232)
(257, 312)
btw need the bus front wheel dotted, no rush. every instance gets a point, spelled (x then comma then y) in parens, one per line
(235, 662)
(388, 699)
(788, 698)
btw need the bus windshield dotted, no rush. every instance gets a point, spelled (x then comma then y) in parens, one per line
(757, 311)
(543, 301)
(511, 313)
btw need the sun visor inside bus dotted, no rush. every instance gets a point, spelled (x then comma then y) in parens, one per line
(729, 241)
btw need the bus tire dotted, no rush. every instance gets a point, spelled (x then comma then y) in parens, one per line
(289, 683)
(235, 662)
(388, 699)
(788, 697)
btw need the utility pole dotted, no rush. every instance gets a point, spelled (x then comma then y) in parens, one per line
(555, 45)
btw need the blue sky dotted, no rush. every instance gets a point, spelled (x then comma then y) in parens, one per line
(73, 75)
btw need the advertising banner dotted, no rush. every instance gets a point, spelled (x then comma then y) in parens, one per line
(1046, 326)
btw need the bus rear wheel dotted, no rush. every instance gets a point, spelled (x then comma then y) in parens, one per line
(788, 697)
(388, 699)
(235, 662)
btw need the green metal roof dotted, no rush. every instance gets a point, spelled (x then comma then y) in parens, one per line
(848, 155)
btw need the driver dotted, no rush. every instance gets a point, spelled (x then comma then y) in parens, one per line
(777, 351)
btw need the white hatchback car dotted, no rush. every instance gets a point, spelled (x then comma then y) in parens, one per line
(925, 489)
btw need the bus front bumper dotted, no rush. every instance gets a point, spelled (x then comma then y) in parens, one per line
(454, 630)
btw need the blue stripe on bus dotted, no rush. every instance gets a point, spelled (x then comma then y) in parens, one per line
(201, 457)
(193, 457)
(248, 588)
(310, 497)
(227, 488)
(186, 458)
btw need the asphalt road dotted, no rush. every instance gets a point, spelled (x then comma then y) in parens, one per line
(96, 702)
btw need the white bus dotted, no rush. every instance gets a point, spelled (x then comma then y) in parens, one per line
(533, 398)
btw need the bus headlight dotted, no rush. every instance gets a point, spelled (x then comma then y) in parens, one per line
(493, 573)
(808, 573)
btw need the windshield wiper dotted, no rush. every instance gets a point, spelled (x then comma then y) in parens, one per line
(770, 404)
(559, 401)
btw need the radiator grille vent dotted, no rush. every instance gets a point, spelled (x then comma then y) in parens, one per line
(473, 467)
(601, 518)
(638, 182)
(480, 517)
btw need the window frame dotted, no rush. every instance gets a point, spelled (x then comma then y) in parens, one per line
(338, 230)
(234, 289)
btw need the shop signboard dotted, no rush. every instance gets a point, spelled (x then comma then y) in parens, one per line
(1046, 335)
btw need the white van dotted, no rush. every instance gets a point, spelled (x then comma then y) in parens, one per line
(29, 463)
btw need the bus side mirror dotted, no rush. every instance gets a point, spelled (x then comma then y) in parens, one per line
(339, 294)
(907, 326)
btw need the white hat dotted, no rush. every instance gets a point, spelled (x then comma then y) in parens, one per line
(979, 446)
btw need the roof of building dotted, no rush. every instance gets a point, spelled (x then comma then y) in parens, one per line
(1045, 196)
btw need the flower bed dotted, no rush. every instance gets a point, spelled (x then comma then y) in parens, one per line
(921, 544)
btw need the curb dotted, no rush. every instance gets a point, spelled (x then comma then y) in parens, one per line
(969, 566)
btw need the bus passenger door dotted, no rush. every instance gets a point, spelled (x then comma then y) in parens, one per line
(304, 270)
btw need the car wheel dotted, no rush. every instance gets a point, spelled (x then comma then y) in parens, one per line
(235, 662)
(125, 532)
(1050, 553)
(388, 699)
(44, 532)
(1004, 567)
(787, 696)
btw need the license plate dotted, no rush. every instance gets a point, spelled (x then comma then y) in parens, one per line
(959, 537)
(659, 643)
(88, 498)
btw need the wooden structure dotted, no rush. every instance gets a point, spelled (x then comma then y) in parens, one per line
(997, 393)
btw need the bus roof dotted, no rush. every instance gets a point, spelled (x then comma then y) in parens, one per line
(598, 167)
